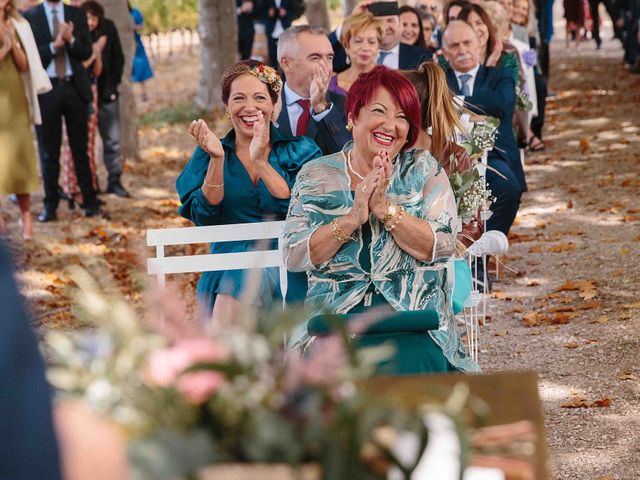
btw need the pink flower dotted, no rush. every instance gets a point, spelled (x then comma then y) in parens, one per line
(164, 368)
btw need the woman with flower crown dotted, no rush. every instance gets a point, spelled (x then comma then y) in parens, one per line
(244, 177)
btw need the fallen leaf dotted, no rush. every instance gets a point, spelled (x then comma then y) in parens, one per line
(501, 333)
(627, 375)
(516, 310)
(532, 319)
(581, 402)
(589, 305)
(531, 283)
(576, 285)
(588, 294)
(500, 295)
(602, 319)
(535, 249)
(562, 247)
(565, 308)
(569, 204)
(584, 145)
(560, 318)
(603, 402)
(631, 305)
(571, 345)
(551, 329)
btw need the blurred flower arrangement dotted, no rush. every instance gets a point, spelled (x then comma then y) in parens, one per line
(481, 137)
(185, 400)
(523, 100)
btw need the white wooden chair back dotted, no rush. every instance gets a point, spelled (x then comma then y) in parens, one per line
(162, 265)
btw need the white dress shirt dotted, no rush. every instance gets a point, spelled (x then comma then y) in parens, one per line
(51, 68)
(470, 83)
(295, 110)
(392, 60)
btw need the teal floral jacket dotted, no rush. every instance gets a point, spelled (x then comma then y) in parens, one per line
(419, 183)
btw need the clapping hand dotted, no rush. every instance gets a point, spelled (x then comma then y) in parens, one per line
(260, 140)
(378, 202)
(206, 139)
(362, 199)
(494, 58)
(319, 87)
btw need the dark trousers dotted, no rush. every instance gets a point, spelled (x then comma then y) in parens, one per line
(507, 193)
(245, 45)
(595, 15)
(272, 44)
(64, 101)
(537, 122)
(109, 126)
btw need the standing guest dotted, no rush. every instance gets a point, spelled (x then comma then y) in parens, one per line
(64, 42)
(361, 35)
(574, 17)
(488, 91)
(109, 107)
(411, 23)
(28, 445)
(246, 176)
(429, 26)
(279, 18)
(140, 68)
(374, 225)
(18, 166)
(519, 32)
(93, 64)
(308, 107)
(246, 32)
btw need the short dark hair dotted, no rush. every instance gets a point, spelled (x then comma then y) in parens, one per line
(95, 9)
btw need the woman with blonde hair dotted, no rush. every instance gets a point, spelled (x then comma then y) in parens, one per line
(361, 36)
(18, 97)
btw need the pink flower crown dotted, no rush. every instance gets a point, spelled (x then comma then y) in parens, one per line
(268, 75)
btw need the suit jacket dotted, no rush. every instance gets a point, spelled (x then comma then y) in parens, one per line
(245, 21)
(112, 63)
(77, 53)
(410, 56)
(28, 448)
(330, 133)
(494, 94)
(270, 23)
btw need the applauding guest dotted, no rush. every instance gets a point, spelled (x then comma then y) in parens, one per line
(488, 91)
(361, 35)
(308, 107)
(374, 225)
(244, 177)
(64, 42)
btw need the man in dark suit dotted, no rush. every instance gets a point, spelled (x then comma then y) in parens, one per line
(308, 108)
(28, 448)
(279, 15)
(488, 91)
(246, 31)
(392, 53)
(64, 42)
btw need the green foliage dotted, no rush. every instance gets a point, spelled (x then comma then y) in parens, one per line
(167, 15)
(182, 113)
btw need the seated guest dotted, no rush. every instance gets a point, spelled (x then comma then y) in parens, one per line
(244, 177)
(361, 35)
(374, 225)
(488, 91)
(429, 26)
(392, 53)
(308, 107)
(453, 9)
(435, 8)
(411, 24)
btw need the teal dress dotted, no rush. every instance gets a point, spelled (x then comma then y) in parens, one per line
(243, 203)
(373, 268)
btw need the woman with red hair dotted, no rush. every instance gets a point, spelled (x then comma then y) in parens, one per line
(373, 226)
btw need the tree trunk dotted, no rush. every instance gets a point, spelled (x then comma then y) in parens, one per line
(317, 14)
(218, 49)
(118, 11)
(348, 6)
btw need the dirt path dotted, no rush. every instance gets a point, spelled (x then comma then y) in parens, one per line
(579, 223)
(572, 311)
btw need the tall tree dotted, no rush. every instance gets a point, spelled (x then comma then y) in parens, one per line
(118, 11)
(218, 48)
(348, 6)
(317, 14)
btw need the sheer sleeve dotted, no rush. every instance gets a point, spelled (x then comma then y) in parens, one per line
(441, 211)
(297, 228)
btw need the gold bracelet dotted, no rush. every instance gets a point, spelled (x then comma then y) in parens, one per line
(395, 224)
(212, 185)
(339, 233)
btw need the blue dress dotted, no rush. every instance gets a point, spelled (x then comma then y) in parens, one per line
(243, 203)
(140, 68)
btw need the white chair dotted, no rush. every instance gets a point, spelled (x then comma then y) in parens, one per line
(162, 265)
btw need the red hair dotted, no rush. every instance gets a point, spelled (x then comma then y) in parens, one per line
(401, 89)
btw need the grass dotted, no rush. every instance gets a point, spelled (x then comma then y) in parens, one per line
(182, 113)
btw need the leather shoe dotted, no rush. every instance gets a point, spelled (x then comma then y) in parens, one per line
(92, 211)
(47, 215)
(117, 189)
